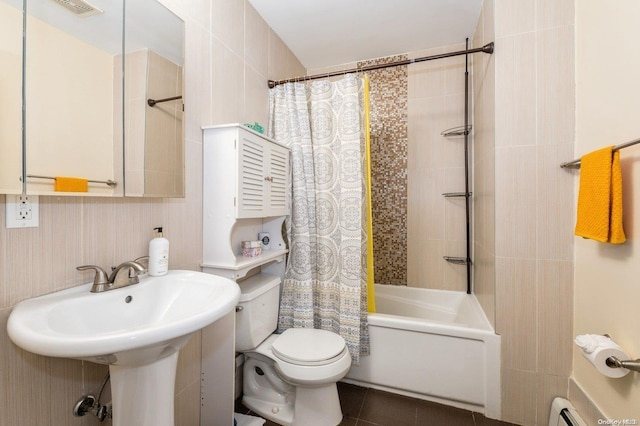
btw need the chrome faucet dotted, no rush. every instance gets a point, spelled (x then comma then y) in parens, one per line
(123, 275)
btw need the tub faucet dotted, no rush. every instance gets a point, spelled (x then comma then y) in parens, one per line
(123, 275)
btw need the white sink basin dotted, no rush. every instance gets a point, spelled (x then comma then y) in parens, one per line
(137, 330)
(155, 315)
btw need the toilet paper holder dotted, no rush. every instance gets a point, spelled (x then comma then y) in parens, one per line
(614, 362)
(633, 365)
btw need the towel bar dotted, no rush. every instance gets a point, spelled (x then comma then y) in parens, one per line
(106, 182)
(575, 164)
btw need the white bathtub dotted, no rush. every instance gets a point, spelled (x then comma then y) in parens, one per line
(435, 345)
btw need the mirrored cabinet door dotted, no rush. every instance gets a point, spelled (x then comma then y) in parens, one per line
(154, 131)
(74, 96)
(11, 96)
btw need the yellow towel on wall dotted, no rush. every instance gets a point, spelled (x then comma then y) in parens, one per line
(70, 184)
(599, 215)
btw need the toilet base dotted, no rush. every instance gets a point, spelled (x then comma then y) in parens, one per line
(309, 412)
(279, 413)
(305, 411)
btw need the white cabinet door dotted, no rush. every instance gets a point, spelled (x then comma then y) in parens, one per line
(278, 176)
(251, 198)
(262, 177)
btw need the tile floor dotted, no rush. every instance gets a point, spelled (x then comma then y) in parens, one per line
(370, 407)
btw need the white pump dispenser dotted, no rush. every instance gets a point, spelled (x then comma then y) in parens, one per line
(158, 254)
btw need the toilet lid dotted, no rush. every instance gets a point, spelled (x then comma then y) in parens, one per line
(308, 346)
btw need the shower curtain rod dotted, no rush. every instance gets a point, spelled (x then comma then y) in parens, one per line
(487, 48)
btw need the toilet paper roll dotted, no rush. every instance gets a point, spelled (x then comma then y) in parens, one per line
(598, 355)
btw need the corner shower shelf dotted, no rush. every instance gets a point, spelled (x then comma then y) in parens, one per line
(457, 131)
(457, 194)
(457, 260)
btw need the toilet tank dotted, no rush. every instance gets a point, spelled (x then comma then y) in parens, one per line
(257, 315)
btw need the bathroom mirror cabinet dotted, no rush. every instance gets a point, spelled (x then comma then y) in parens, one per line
(84, 73)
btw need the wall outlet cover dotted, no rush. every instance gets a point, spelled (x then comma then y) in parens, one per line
(22, 211)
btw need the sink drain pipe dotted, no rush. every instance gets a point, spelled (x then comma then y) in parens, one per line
(90, 404)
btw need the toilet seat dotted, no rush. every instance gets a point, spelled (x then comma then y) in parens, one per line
(308, 347)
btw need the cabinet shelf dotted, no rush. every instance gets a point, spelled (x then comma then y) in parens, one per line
(243, 262)
(242, 265)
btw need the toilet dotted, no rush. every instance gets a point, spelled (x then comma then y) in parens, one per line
(288, 378)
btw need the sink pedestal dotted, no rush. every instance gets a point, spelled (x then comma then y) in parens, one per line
(144, 395)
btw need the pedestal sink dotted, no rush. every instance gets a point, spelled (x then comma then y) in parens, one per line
(136, 330)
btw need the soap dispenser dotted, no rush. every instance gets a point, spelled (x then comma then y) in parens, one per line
(158, 254)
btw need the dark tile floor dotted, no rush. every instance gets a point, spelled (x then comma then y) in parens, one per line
(370, 407)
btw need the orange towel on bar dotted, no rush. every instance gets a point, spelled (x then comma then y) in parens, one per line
(70, 184)
(599, 214)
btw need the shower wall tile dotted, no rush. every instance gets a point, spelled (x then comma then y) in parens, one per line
(227, 17)
(549, 387)
(452, 107)
(256, 47)
(484, 263)
(188, 406)
(227, 85)
(426, 145)
(185, 232)
(454, 75)
(488, 21)
(515, 202)
(389, 117)
(519, 397)
(59, 213)
(516, 312)
(534, 88)
(256, 88)
(553, 13)
(333, 68)
(555, 97)
(514, 17)
(515, 107)
(427, 79)
(555, 215)
(436, 165)
(22, 246)
(198, 81)
(484, 274)
(189, 363)
(430, 266)
(282, 64)
(23, 375)
(555, 316)
(455, 276)
(430, 205)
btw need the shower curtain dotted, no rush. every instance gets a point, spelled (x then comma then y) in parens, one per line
(325, 283)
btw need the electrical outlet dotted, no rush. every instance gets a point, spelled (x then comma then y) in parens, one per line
(22, 211)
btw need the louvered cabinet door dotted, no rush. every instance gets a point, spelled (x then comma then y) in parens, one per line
(252, 186)
(277, 178)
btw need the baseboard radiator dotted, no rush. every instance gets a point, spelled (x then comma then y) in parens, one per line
(564, 414)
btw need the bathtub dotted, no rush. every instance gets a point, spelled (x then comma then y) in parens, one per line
(432, 344)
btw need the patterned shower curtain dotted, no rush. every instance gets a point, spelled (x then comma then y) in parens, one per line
(325, 283)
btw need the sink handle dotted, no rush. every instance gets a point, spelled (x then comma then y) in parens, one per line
(100, 279)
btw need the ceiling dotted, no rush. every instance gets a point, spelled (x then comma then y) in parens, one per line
(149, 24)
(323, 33)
